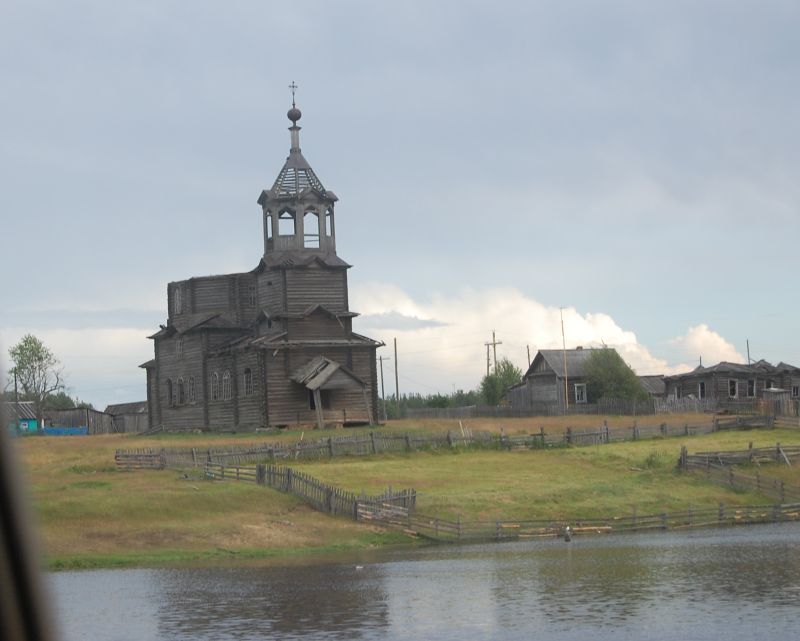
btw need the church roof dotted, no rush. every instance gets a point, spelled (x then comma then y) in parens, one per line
(299, 259)
(296, 176)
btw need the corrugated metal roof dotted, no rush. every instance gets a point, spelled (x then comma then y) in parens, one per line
(23, 409)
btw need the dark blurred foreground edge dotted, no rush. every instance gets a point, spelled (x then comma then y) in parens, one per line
(23, 615)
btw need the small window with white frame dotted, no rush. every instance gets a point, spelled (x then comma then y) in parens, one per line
(733, 388)
(580, 392)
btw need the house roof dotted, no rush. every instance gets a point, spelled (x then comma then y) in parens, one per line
(761, 367)
(22, 410)
(136, 407)
(576, 361)
(654, 384)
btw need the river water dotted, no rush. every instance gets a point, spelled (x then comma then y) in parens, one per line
(739, 583)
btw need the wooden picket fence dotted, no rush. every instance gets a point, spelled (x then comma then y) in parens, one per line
(321, 496)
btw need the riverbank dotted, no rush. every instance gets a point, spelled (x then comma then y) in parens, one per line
(92, 515)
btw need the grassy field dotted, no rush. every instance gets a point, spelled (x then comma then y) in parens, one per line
(90, 514)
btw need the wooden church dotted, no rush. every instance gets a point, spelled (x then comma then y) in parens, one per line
(273, 347)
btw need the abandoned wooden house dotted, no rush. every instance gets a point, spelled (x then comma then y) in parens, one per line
(274, 346)
(548, 383)
(730, 382)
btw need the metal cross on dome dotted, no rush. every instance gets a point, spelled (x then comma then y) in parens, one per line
(293, 87)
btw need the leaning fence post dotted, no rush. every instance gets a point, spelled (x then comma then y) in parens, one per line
(682, 462)
(568, 435)
(261, 474)
(686, 429)
(663, 520)
(605, 430)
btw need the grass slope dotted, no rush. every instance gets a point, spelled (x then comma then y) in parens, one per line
(90, 514)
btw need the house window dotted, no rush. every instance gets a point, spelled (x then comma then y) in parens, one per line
(181, 394)
(580, 392)
(179, 347)
(795, 391)
(733, 388)
(311, 230)
(701, 389)
(751, 387)
(226, 385)
(678, 391)
(286, 223)
(769, 383)
(248, 382)
(190, 391)
(170, 401)
(215, 386)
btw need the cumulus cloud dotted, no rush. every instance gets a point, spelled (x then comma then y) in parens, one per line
(701, 341)
(449, 350)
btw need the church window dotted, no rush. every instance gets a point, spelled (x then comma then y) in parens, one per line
(226, 385)
(268, 225)
(190, 391)
(311, 230)
(251, 295)
(215, 386)
(179, 347)
(329, 222)
(178, 300)
(181, 394)
(248, 382)
(286, 223)
(170, 402)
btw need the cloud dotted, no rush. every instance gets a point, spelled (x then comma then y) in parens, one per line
(398, 321)
(451, 351)
(701, 341)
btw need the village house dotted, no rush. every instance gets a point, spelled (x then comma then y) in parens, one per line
(129, 417)
(274, 346)
(730, 382)
(548, 383)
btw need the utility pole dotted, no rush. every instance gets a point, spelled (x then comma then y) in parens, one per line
(383, 392)
(494, 345)
(748, 351)
(16, 399)
(529, 354)
(564, 351)
(396, 380)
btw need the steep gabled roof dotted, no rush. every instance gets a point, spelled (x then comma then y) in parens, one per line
(576, 361)
(323, 373)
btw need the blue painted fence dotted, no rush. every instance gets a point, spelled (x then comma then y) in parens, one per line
(66, 431)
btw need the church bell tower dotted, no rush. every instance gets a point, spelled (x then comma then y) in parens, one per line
(298, 211)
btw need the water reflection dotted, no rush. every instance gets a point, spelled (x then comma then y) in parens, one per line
(734, 584)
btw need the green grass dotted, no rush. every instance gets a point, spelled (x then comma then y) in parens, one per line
(92, 515)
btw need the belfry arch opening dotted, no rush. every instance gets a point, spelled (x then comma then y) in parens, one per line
(286, 223)
(311, 230)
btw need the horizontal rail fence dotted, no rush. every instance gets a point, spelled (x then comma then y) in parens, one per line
(320, 495)
(439, 529)
(384, 441)
(718, 468)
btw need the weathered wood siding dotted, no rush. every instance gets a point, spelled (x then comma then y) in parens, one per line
(289, 402)
(174, 366)
(543, 388)
(270, 290)
(316, 327)
(316, 285)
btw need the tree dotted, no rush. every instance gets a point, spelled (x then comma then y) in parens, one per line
(496, 384)
(36, 370)
(608, 376)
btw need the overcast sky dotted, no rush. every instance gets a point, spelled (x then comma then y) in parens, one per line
(634, 162)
